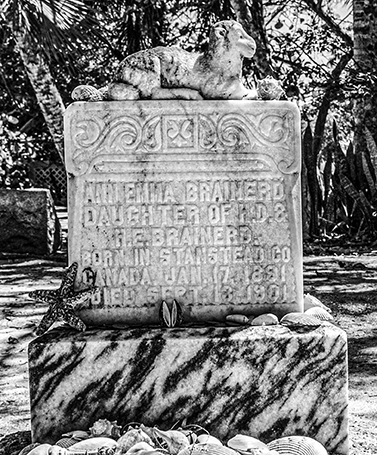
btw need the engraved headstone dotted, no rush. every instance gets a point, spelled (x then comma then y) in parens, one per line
(197, 201)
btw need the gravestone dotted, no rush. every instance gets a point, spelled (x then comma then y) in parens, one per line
(193, 201)
(197, 202)
(28, 222)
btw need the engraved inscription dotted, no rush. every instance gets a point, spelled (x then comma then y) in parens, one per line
(203, 242)
(193, 201)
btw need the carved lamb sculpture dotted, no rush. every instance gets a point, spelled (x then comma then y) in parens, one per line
(170, 72)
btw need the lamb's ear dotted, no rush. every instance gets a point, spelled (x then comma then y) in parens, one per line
(219, 31)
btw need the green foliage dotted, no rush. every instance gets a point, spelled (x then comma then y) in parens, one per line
(345, 187)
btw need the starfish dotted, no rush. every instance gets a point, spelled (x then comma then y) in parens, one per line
(62, 302)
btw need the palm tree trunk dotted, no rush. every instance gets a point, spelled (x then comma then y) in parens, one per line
(46, 92)
(365, 55)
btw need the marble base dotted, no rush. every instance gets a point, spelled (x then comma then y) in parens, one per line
(266, 382)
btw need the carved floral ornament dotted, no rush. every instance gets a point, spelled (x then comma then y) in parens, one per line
(125, 135)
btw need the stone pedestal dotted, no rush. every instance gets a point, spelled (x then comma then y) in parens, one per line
(262, 381)
(28, 222)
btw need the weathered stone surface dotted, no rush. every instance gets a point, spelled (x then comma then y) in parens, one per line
(265, 382)
(28, 222)
(196, 201)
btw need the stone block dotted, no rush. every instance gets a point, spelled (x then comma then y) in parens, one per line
(28, 222)
(266, 382)
(197, 201)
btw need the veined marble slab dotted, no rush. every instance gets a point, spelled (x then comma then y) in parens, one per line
(266, 382)
(197, 201)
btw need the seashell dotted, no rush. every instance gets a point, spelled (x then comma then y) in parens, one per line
(207, 449)
(79, 435)
(57, 450)
(297, 445)
(237, 319)
(42, 449)
(310, 301)
(86, 93)
(174, 439)
(26, 450)
(93, 444)
(246, 444)
(208, 439)
(104, 427)
(299, 321)
(142, 448)
(66, 442)
(132, 437)
(170, 317)
(320, 313)
(265, 319)
(269, 89)
(190, 435)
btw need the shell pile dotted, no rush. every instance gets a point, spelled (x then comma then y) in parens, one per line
(144, 440)
(315, 314)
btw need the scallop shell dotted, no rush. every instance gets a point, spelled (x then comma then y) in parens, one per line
(208, 439)
(132, 437)
(207, 449)
(237, 319)
(265, 319)
(310, 301)
(243, 443)
(297, 445)
(320, 313)
(86, 93)
(300, 321)
(66, 442)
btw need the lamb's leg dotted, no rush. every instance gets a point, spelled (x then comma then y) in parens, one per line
(175, 93)
(138, 75)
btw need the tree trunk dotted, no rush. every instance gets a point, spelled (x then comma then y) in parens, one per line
(365, 55)
(249, 14)
(46, 92)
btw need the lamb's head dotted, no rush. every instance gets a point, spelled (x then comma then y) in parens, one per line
(230, 36)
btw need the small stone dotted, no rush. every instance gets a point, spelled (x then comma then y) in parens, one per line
(237, 319)
(265, 319)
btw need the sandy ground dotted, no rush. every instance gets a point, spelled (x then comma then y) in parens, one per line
(347, 284)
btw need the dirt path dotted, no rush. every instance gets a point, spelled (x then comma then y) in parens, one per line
(347, 284)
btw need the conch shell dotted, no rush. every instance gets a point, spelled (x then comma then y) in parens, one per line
(269, 89)
(130, 438)
(174, 439)
(297, 445)
(104, 427)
